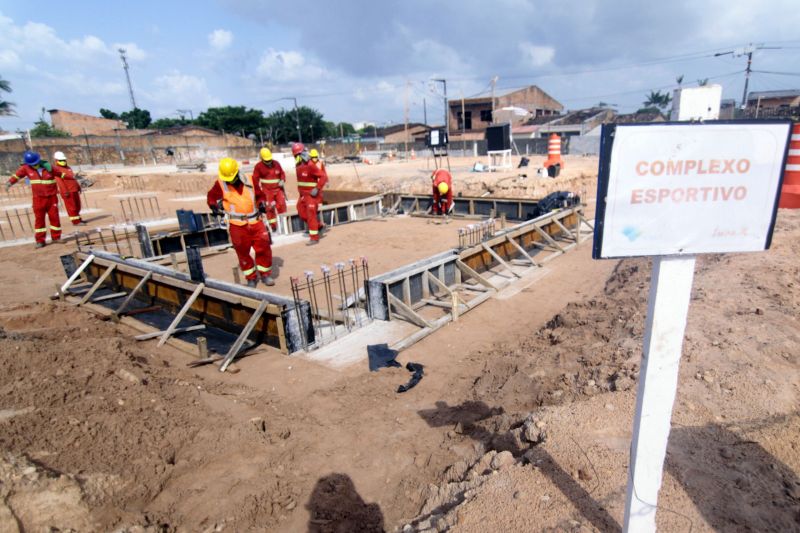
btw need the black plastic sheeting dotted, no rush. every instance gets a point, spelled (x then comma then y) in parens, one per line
(381, 356)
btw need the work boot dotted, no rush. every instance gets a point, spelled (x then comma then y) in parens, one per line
(268, 281)
(82, 223)
(253, 283)
(39, 245)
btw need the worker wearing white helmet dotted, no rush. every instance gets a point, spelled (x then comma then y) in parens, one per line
(68, 188)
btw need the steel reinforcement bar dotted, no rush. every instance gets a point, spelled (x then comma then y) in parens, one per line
(226, 307)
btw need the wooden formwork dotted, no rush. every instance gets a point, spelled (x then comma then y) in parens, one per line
(127, 286)
(468, 206)
(335, 214)
(459, 280)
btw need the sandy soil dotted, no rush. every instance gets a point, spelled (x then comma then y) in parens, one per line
(522, 421)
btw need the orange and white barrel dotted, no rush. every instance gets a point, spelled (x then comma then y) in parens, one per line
(554, 151)
(790, 193)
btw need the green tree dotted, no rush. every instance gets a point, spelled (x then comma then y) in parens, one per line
(702, 83)
(107, 113)
(284, 125)
(6, 107)
(136, 118)
(41, 128)
(658, 99)
(232, 119)
(164, 123)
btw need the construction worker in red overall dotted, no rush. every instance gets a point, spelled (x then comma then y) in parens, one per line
(243, 204)
(314, 155)
(45, 196)
(68, 187)
(442, 191)
(310, 182)
(270, 178)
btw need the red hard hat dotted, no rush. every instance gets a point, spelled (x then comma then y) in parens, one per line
(297, 148)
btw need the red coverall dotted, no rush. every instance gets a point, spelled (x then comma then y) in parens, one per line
(70, 191)
(310, 176)
(245, 226)
(45, 199)
(442, 205)
(268, 178)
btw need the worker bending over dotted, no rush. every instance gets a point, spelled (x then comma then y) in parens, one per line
(45, 196)
(270, 178)
(68, 187)
(243, 204)
(442, 191)
(310, 182)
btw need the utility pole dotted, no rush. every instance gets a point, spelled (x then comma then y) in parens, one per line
(463, 125)
(494, 83)
(296, 115)
(405, 118)
(424, 111)
(127, 75)
(446, 110)
(747, 51)
(183, 113)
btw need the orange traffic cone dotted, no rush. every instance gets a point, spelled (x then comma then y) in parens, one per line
(554, 164)
(790, 193)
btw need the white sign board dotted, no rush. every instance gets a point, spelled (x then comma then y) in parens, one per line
(696, 103)
(668, 189)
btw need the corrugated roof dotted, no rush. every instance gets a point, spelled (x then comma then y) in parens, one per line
(791, 93)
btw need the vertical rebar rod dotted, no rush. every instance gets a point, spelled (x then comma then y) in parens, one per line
(19, 220)
(28, 216)
(122, 207)
(130, 246)
(10, 225)
(365, 266)
(312, 298)
(296, 297)
(343, 294)
(326, 281)
(116, 242)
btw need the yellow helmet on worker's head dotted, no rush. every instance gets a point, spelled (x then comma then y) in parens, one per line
(313, 154)
(266, 154)
(443, 188)
(228, 169)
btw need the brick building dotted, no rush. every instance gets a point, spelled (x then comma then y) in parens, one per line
(477, 115)
(768, 100)
(80, 124)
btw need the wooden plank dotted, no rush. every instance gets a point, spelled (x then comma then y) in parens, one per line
(474, 275)
(436, 281)
(407, 312)
(522, 251)
(103, 277)
(564, 229)
(109, 297)
(75, 275)
(499, 259)
(181, 314)
(547, 237)
(142, 282)
(234, 350)
(154, 334)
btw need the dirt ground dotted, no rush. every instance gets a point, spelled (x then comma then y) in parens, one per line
(522, 421)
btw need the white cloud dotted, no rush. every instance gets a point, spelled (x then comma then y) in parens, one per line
(289, 65)
(220, 39)
(177, 89)
(536, 56)
(9, 59)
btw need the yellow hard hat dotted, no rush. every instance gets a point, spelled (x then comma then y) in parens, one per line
(443, 188)
(266, 154)
(313, 153)
(228, 168)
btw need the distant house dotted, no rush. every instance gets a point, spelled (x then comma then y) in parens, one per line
(80, 124)
(577, 122)
(185, 131)
(727, 109)
(477, 112)
(774, 99)
(397, 133)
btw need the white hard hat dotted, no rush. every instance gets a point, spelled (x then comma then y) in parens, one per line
(59, 156)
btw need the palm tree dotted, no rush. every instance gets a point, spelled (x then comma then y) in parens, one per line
(702, 83)
(658, 99)
(6, 108)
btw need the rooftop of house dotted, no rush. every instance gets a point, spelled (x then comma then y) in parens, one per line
(789, 93)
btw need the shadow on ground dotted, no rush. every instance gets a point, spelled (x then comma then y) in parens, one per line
(336, 507)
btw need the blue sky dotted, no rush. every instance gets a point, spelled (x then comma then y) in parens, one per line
(360, 60)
